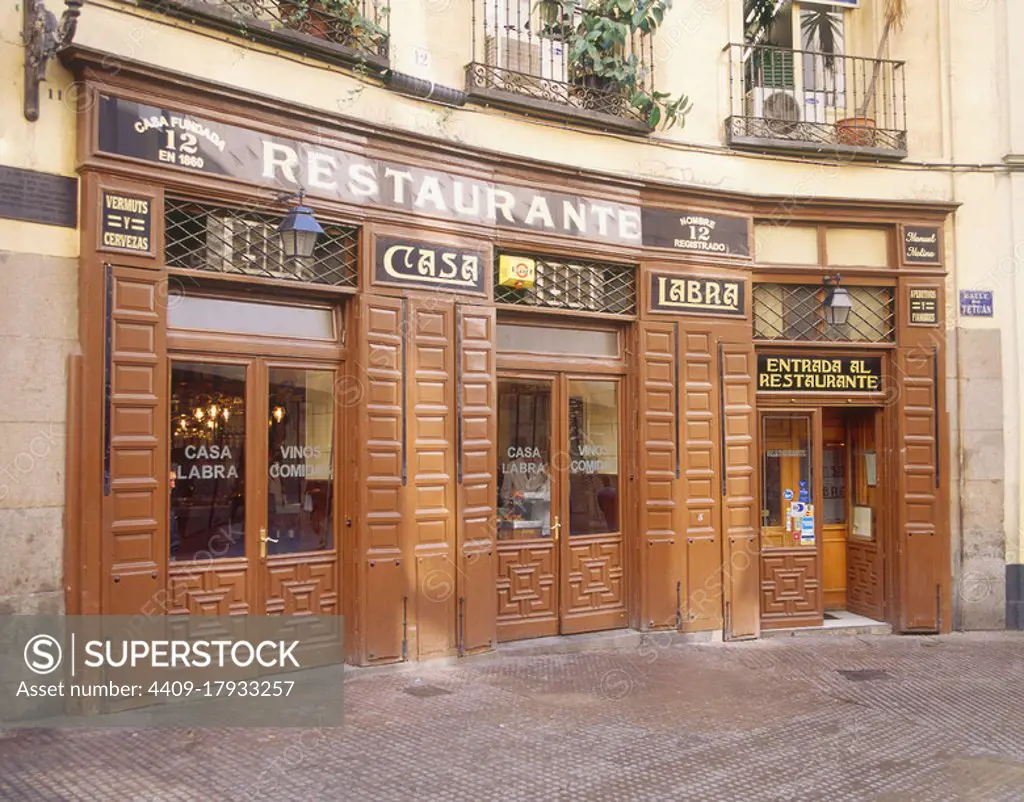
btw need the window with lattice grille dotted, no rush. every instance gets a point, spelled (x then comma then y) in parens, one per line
(796, 312)
(224, 240)
(582, 286)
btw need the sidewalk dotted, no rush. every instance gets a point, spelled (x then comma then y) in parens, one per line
(836, 718)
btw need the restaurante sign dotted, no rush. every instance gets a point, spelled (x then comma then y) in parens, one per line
(819, 374)
(178, 139)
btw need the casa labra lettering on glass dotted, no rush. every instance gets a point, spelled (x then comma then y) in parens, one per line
(178, 139)
(921, 245)
(126, 223)
(841, 374)
(698, 295)
(697, 232)
(422, 264)
(208, 462)
(924, 306)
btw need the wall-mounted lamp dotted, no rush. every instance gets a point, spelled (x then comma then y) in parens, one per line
(44, 38)
(299, 229)
(838, 303)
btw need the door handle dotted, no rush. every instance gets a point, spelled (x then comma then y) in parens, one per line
(264, 538)
(556, 527)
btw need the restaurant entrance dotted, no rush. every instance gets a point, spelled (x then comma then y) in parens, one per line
(560, 534)
(253, 442)
(821, 539)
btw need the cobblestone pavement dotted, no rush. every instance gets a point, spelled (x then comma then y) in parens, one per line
(882, 718)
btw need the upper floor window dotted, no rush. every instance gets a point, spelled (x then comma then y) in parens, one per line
(345, 31)
(591, 60)
(795, 85)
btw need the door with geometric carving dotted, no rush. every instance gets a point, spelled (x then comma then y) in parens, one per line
(791, 591)
(561, 561)
(253, 491)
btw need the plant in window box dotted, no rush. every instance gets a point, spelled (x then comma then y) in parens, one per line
(338, 21)
(860, 129)
(608, 71)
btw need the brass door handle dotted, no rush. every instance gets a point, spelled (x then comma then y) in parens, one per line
(264, 538)
(556, 527)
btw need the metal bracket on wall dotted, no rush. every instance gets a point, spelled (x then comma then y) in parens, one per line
(935, 414)
(458, 394)
(108, 356)
(721, 409)
(675, 383)
(404, 398)
(44, 37)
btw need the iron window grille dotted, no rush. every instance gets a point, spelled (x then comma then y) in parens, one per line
(796, 312)
(356, 31)
(581, 286)
(239, 242)
(521, 58)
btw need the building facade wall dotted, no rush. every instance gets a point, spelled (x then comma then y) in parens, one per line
(38, 331)
(949, 112)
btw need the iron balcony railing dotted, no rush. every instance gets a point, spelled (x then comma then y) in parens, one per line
(521, 59)
(348, 31)
(809, 100)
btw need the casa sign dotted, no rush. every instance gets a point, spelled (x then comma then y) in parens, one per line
(422, 264)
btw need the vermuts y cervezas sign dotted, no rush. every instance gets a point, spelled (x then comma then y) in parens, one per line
(838, 374)
(177, 139)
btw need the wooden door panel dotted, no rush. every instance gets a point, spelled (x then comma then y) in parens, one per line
(596, 584)
(701, 493)
(790, 588)
(834, 565)
(662, 555)
(737, 367)
(922, 555)
(135, 518)
(527, 589)
(301, 585)
(864, 579)
(381, 478)
(430, 340)
(477, 492)
(218, 587)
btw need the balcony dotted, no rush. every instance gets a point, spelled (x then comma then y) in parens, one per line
(352, 33)
(814, 102)
(521, 62)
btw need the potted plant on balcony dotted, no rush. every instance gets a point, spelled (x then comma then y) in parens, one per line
(610, 75)
(860, 129)
(338, 21)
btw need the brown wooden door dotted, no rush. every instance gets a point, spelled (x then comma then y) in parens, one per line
(865, 579)
(254, 501)
(591, 535)
(561, 561)
(528, 504)
(922, 550)
(790, 558)
(298, 536)
(737, 369)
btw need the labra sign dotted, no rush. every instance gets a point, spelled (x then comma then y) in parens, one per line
(709, 296)
(179, 139)
(838, 374)
(421, 264)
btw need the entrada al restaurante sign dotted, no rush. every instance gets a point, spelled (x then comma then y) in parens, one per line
(181, 140)
(840, 374)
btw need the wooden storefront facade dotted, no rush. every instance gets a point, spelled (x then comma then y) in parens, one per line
(390, 434)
